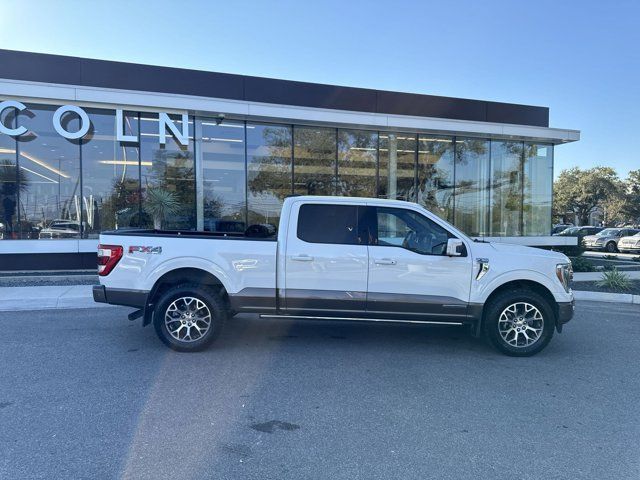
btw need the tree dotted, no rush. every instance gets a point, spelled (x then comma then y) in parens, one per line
(583, 191)
(632, 189)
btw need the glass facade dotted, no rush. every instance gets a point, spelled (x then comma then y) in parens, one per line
(269, 171)
(223, 175)
(538, 190)
(357, 158)
(167, 176)
(506, 188)
(436, 175)
(110, 175)
(315, 160)
(397, 166)
(231, 174)
(472, 185)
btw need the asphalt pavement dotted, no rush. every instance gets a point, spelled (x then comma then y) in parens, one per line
(88, 394)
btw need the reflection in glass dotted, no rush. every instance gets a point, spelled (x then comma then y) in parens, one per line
(223, 175)
(506, 188)
(397, 166)
(110, 174)
(168, 177)
(538, 188)
(435, 175)
(314, 160)
(50, 201)
(11, 179)
(269, 149)
(357, 155)
(472, 165)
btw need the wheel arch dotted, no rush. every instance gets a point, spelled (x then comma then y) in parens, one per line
(532, 285)
(182, 275)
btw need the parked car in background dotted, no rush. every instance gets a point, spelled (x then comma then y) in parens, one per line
(630, 244)
(607, 239)
(560, 228)
(580, 231)
(61, 229)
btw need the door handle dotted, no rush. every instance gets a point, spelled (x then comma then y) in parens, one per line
(385, 261)
(302, 258)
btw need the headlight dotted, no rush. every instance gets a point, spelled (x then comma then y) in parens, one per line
(600, 241)
(637, 243)
(564, 272)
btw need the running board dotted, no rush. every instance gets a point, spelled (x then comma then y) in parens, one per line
(356, 319)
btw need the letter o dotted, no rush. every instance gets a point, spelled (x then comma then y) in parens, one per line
(84, 122)
(14, 132)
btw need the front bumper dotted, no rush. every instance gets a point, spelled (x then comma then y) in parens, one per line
(120, 296)
(565, 313)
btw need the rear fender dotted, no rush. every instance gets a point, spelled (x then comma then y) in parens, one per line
(175, 264)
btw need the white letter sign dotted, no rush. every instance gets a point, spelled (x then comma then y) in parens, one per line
(165, 122)
(14, 132)
(120, 136)
(84, 122)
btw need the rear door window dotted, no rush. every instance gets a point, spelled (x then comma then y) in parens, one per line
(333, 224)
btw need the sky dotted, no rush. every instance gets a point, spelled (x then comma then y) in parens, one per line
(579, 58)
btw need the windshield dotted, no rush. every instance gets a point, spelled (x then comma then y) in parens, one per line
(569, 231)
(608, 232)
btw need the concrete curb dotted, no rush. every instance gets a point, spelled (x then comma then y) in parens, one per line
(607, 297)
(595, 276)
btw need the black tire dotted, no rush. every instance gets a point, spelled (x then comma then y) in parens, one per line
(499, 304)
(177, 298)
(612, 247)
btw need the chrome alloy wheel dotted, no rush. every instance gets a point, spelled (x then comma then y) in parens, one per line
(520, 324)
(187, 319)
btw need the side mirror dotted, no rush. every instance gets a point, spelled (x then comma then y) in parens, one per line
(455, 247)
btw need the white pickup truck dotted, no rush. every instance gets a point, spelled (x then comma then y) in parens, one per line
(334, 259)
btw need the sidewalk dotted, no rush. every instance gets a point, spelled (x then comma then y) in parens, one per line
(47, 297)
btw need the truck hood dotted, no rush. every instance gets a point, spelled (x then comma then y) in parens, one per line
(490, 249)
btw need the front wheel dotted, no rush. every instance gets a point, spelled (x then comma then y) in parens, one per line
(612, 247)
(519, 323)
(188, 318)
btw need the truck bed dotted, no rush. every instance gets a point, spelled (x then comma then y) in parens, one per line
(139, 232)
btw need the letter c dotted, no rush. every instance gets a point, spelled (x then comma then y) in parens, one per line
(14, 132)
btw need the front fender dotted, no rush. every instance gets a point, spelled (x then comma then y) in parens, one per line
(484, 289)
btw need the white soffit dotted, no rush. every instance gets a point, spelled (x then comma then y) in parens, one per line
(140, 100)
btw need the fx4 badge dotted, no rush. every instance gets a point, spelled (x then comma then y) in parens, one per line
(152, 250)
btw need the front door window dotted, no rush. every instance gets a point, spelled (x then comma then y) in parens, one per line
(407, 229)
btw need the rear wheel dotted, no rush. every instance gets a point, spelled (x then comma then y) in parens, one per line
(188, 318)
(519, 323)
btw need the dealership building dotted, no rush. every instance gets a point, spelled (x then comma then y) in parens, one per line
(90, 145)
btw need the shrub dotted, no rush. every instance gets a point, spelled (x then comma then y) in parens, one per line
(610, 257)
(615, 280)
(636, 259)
(581, 264)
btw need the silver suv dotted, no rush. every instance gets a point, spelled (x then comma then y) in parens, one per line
(608, 239)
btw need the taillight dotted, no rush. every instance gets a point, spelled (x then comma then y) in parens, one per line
(108, 257)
